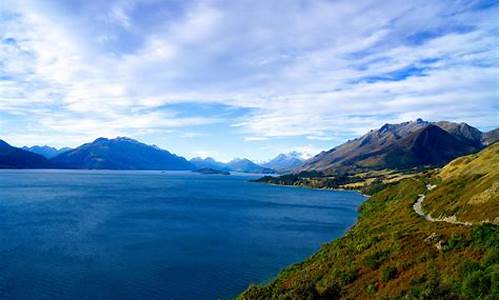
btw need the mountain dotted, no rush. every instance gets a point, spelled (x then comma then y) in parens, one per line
(210, 163)
(247, 166)
(490, 137)
(394, 253)
(284, 162)
(463, 132)
(399, 146)
(46, 151)
(120, 153)
(238, 165)
(17, 158)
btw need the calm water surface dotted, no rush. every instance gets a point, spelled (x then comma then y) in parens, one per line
(154, 235)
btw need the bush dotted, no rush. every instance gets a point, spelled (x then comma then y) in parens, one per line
(331, 293)
(456, 241)
(371, 288)
(485, 236)
(477, 285)
(429, 286)
(374, 261)
(389, 273)
(478, 281)
(374, 187)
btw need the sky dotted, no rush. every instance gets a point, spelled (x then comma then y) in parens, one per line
(241, 78)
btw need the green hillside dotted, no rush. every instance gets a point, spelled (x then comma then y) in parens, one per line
(467, 188)
(392, 253)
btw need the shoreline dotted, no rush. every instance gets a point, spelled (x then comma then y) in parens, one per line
(315, 188)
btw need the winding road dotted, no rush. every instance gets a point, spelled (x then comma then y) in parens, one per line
(417, 207)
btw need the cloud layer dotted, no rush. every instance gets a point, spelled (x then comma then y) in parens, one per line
(315, 72)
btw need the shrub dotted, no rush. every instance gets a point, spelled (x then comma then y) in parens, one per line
(478, 281)
(477, 285)
(456, 241)
(485, 236)
(371, 288)
(389, 273)
(374, 261)
(332, 292)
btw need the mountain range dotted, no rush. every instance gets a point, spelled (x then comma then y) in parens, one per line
(247, 166)
(208, 162)
(120, 154)
(393, 146)
(401, 146)
(283, 163)
(17, 158)
(242, 165)
(46, 151)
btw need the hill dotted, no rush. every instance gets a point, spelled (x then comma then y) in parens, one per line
(16, 158)
(400, 146)
(46, 151)
(247, 166)
(209, 171)
(284, 162)
(393, 253)
(467, 189)
(120, 154)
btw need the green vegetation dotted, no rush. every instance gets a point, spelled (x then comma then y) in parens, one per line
(389, 273)
(368, 182)
(392, 253)
(309, 179)
(467, 188)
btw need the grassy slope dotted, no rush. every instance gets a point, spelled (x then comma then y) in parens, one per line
(391, 253)
(467, 188)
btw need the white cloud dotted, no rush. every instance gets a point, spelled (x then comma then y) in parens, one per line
(308, 70)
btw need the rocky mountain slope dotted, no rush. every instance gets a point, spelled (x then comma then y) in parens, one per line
(490, 137)
(401, 146)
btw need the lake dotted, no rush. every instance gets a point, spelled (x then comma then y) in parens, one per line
(155, 235)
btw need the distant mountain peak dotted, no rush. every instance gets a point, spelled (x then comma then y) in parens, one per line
(208, 163)
(45, 150)
(247, 166)
(116, 139)
(121, 153)
(285, 162)
(125, 139)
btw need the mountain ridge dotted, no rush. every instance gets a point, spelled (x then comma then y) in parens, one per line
(45, 150)
(16, 158)
(401, 146)
(247, 166)
(120, 153)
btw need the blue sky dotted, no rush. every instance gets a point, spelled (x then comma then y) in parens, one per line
(241, 78)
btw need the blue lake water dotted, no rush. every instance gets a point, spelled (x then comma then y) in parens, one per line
(154, 235)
